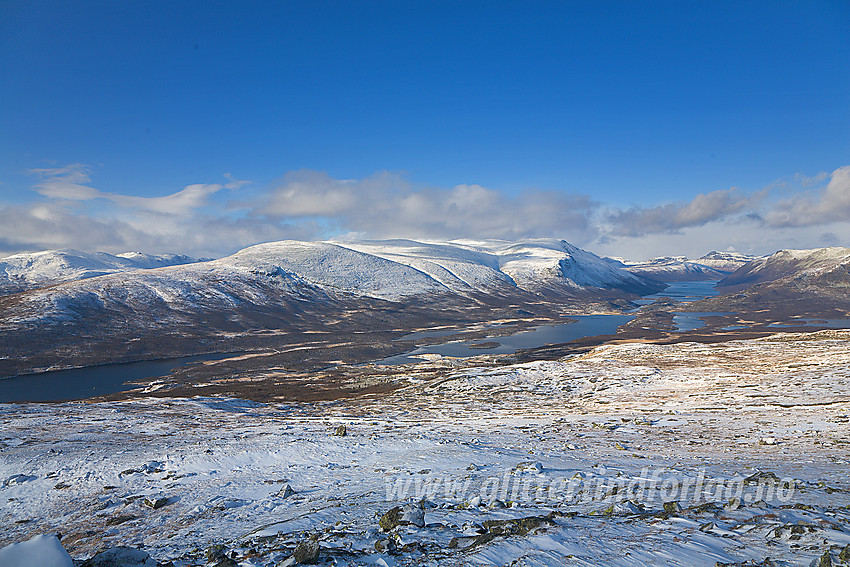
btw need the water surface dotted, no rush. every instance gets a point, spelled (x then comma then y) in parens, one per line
(82, 383)
(585, 326)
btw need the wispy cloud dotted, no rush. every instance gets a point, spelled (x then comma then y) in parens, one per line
(69, 182)
(72, 183)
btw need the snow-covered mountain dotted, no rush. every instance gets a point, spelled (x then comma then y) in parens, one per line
(724, 261)
(28, 271)
(531, 265)
(713, 266)
(787, 285)
(804, 266)
(294, 286)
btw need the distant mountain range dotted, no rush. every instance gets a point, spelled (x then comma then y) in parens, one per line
(242, 300)
(713, 266)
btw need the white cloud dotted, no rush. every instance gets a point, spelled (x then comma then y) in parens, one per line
(387, 205)
(71, 183)
(817, 207)
(672, 217)
(67, 182)
(204, 219)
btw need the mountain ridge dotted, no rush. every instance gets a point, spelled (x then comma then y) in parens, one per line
(253, 298)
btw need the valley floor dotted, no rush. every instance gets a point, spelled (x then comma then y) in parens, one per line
(631, 454)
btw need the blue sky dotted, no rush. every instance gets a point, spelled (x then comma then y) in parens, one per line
(627, 127)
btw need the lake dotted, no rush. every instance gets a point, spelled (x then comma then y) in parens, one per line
(683, 291)
(585, 326)
(82, 383)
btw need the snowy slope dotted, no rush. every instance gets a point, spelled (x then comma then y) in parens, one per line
(529, 265)
(330, 265)
(27, 271)
(632, 455)
(390, 270)
(809, 264)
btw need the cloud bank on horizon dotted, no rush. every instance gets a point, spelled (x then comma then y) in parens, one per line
(214, 219)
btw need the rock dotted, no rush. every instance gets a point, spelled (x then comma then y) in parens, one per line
(214, 552)
(391, 519)
(340, 431)
(18, 479)
(825, 560)
(285, 491)
(413, 514)
(226, 562)
(40, 551)
(626, 508)
(535, 467)
(307, 551)
(761, 477)
(409, 514)
(62, 486)
(672, 507)
(155, 502)
(385, 545)
(120, 557)
(473, 467)
(501, 528)
(119, 519)
(516, 526)
(845, 554)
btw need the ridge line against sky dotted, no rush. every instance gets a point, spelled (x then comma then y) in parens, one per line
(631, 129)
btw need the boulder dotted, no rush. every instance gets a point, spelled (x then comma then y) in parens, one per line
(307, 551)
(156, 502)
(120, 557)
(407, 515)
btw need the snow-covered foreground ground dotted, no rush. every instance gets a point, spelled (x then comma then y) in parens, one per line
(631, 455)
